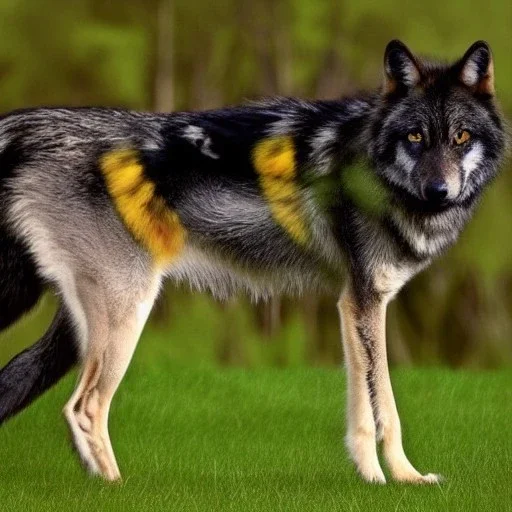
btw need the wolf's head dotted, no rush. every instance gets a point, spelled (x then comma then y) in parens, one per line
(438, 137)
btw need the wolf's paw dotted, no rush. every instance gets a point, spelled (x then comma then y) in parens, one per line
(432, 478)
(363, 452)
(418, 478)
(373, 475)
(402, 470)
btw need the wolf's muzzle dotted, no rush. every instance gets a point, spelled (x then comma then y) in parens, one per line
(435, 191)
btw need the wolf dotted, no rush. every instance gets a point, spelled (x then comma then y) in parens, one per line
(281, 196)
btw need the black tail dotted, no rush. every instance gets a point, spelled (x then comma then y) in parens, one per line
(20, 287)
(36, 369)
(31, 373)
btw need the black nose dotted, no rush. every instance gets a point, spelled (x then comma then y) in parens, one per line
(435, 190)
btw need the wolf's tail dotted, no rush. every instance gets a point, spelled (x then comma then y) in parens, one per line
(29, 374)
(36, 369)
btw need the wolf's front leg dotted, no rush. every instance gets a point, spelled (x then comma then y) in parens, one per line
(384, 406)
(361, 432)
(370, 395)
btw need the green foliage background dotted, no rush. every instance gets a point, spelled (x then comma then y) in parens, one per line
(182, 54)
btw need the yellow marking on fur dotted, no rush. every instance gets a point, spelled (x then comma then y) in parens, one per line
(275, 157)
(145, 214)
(274, 161)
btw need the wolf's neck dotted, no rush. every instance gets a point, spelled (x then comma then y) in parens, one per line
(327, 134)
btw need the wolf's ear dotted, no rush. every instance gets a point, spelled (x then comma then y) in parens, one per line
(477, 69)
(401, 69)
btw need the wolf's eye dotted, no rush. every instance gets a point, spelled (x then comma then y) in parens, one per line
(461, 137)
(414, 137)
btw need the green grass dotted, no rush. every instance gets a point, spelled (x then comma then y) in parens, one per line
(266, 439)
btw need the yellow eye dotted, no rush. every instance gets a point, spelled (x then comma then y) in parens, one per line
(415, 137)
(462, 137)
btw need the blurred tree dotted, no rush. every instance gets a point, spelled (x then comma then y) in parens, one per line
(164, 73)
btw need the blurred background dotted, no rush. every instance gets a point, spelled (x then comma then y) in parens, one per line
(194, 54)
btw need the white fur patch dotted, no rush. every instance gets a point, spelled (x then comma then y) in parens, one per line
(424, 245)
(284, 126)
(389, 279)
(472, 160)
(200, 139)
(469, 75)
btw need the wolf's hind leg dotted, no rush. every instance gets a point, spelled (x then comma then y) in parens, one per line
(361, 432)
(112, 335)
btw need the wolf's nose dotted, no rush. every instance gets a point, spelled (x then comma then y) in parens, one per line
(435, 190)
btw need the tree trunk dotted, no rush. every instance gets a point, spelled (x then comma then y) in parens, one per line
(164, 80)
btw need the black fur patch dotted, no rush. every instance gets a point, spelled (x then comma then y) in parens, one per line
(20, 287)
(36, 369)
(368, 342)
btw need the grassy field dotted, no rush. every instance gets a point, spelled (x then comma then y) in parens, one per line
(266, 439)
